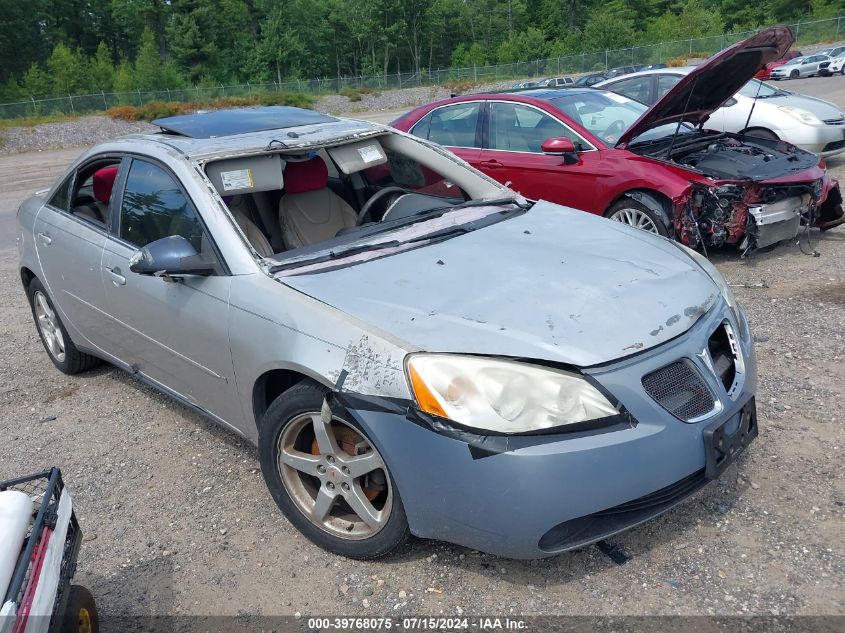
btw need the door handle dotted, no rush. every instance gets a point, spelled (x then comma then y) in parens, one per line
(491, 164)
(116, 278)
(45, 239)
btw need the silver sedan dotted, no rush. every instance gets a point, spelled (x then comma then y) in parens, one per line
(807, 66)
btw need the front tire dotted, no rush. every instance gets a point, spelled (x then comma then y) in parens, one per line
(61, 350)
(636, 214)
(794, 74)
(329, 480)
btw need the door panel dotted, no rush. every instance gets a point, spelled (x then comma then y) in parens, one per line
(173, 331)
(69, 251)
(513, 155)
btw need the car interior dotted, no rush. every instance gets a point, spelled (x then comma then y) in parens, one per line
(285, 201)
(92, 191)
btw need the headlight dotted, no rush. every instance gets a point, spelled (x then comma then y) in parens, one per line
(802, 115)
(502, 396)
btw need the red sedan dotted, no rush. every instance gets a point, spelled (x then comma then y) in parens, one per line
(652, 167)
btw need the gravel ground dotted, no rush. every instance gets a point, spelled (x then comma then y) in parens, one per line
(178, 521)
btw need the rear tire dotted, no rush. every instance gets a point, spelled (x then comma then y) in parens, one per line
(60, 348)
(81, 612)
(306, 466)
(634, 213)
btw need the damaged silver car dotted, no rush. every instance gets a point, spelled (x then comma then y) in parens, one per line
(414, 348)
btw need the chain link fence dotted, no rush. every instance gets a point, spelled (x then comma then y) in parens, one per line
(806, 33)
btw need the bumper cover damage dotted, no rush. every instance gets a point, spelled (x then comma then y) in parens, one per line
(755, 215)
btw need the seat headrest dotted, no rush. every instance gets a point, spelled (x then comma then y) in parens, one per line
(307, 175)
(104, 183)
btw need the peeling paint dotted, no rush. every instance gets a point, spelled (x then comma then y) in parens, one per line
(657, 331)
(634, 346)
(672, 320)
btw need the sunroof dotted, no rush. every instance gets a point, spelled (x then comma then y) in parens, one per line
(240, 121)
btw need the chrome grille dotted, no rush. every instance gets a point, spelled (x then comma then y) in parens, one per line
(680, 390)
(839, 121)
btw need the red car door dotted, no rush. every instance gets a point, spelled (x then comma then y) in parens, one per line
(456, 126)
(512, 154)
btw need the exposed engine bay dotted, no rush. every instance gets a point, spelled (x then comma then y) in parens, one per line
(744, 209)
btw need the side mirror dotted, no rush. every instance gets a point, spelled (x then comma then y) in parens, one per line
(560, 146)
(170, 257)
(730, 102)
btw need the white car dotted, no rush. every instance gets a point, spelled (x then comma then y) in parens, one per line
(837, 65)
(812, 124)
(807, 66)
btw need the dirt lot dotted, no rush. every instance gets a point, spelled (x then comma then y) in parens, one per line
(178, 520)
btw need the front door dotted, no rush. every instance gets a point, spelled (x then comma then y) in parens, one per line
(174, 332)
(513, 156)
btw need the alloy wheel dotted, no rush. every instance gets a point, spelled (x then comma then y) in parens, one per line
(334, 476)
(635, 218)
(48, 326)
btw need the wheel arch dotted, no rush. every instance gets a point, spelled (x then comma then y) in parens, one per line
(760, 128)
(653, 199)
(26, 277)
(271, 384)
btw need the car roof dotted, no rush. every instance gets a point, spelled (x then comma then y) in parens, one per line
(209, 135)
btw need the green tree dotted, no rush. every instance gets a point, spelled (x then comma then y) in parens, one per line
(101, 69)
(67, 70)
(521, 47)
(37, 83)
(609, 26)
(468, 56)
(192, 49)
(123, 81)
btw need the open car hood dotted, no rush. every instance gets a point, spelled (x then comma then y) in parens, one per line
(697, 95)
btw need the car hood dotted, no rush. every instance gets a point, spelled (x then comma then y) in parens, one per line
(555, 284)
(824, 110)
(697, 95)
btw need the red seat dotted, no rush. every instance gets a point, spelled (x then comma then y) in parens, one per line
(104, 183)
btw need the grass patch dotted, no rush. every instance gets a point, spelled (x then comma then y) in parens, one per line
(356, 94)
(161, 109)
(29, 121)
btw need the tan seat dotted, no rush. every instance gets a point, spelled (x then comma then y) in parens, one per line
(310, 212)
(259, 241)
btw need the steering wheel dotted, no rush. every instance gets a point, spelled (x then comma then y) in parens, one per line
(614, 130)
(377, 197)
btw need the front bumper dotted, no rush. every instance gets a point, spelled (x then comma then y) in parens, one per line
(535, 496)
(824, 140)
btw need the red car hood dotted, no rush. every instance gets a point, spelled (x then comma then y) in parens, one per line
(697, 95)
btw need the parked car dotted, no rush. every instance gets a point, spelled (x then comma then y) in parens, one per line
(557, 82)
(619, 71)
(323, 288)
(808, 66)
(651, 67)
(610, 155)
(589, 80)
(837, 65)
(765, 72)
(831, 52)
(812, 124)
(526, 84)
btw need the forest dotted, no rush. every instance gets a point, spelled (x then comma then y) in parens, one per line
(61, 47)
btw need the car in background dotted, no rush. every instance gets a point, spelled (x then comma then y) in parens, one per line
(557, 82)
(590, 80)
(808, 66)
(837, 65)
(812, 124)
(651, 67)
(619, 71)
(373, 354)
(765, 73)
(650, 167)
(525, 84)
(831, 52)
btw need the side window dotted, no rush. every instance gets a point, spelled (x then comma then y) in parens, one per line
(154, 207)
(90, 199)
(421, 127)
(454, 125)
(665, 83)
(636, 88)
(519, 128)
(60, 198)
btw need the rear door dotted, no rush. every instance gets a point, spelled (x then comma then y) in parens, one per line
(456, 126)
(514, 133)
(174, 332)
(70, 231)
(637, 88)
